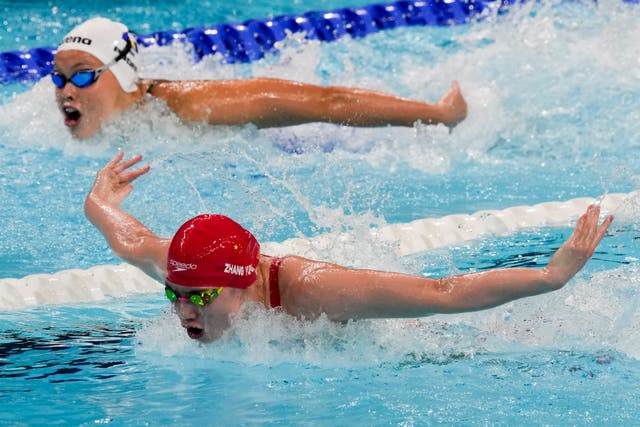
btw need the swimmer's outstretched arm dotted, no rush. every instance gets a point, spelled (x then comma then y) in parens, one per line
(127, 237)
(268, 102)
(344, 294)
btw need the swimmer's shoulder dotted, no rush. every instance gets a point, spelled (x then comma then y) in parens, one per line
(297, 271)
(165, 89)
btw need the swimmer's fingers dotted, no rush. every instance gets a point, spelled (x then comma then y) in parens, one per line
(604, 227)
(600, 231)
(120, 165)
(114, 162)
(582, 236)
(113, 182)
(588, 234)
(130, 176)
(116, 169)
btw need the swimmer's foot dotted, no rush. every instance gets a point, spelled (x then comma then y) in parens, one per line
(453, 105)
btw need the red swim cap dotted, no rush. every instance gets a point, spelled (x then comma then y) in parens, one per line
(210, 251)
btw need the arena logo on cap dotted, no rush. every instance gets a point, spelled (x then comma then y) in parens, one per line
(77, 39)
(181, 266)
(238, 270)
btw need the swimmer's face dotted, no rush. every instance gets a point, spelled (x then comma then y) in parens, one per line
(207, 323)
(86, 109)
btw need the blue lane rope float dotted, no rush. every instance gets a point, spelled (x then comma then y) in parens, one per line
(250, 40)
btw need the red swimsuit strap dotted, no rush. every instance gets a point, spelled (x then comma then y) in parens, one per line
(274, 288)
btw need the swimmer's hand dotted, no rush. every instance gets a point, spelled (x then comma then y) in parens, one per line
(453, 106)
(113, 182)
(577, 250)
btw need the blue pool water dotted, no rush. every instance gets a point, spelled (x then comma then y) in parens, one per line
(554, 115)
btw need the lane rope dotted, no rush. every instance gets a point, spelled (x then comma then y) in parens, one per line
(250, 40)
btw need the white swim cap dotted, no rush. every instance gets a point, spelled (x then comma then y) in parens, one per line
(106, 40)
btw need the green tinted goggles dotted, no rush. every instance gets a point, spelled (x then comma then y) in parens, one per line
(199, 298)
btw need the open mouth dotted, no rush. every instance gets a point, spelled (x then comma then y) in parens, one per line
(71, 116)
(195, 333)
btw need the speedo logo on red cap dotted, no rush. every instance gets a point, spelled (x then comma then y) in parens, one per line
(238, 270)
(181, 266)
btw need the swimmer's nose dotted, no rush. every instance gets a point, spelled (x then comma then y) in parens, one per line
(186, 310)
(68, 92)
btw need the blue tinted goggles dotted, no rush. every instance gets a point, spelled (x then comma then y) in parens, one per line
(80, 79)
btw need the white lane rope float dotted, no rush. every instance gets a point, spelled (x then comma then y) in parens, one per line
(111, 281)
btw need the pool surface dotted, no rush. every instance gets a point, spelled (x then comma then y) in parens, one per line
(554, 115)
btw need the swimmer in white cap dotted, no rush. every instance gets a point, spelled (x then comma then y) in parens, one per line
(210, 253)
(96, 76)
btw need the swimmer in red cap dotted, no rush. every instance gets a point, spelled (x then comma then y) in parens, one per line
(96, 76)
(213, 265)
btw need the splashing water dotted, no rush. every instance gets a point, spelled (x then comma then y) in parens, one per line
(554, 114)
